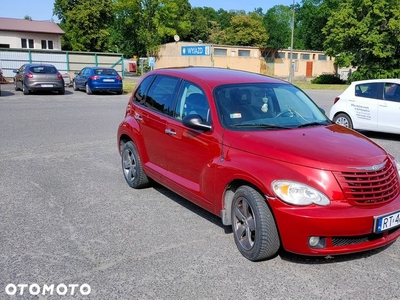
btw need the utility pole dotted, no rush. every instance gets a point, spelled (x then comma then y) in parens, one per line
(291, 75)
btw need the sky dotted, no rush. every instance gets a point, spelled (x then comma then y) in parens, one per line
(43, 9)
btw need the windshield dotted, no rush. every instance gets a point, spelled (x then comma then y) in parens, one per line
(266, 106)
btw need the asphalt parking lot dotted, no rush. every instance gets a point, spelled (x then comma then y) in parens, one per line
(68, 218)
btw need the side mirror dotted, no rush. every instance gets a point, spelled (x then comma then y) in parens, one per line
(15, 71)
(195, 122)
(321, 109)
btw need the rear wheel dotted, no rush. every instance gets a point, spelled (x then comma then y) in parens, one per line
(62, 92)
(253, 225)
(344, 120)
(88, 90)
(25, 89)
(132, 167)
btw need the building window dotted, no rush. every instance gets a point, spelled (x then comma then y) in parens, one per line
(47, 44)
(295, 55)
(220, 52)
(244, 53)
(4, 45)
(321, 57)
(305, 56)
(27, 43)
(280, 54)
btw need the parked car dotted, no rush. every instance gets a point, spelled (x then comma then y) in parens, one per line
(369, 105)
(259, 153)
(38, 77)
(97, 79)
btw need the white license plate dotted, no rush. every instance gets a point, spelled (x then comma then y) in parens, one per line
(108, 80)
(387, 222)
(46, 85)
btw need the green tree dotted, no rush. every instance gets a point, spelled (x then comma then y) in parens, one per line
(246, 30)
(85, 23)
(277, 22)
(366, 34)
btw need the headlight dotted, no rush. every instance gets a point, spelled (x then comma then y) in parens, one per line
(298, 194)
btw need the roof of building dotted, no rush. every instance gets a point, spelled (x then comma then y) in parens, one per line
(8, 24)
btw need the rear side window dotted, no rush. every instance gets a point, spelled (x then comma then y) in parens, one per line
(140, 92)
(162, 94)
(368, 90)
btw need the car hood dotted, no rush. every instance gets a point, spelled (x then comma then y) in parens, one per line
(332, 147)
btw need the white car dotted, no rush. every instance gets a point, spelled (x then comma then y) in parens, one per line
(369, 105)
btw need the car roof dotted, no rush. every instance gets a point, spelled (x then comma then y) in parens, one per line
(216, 76)
(388, 80)
(39, 65)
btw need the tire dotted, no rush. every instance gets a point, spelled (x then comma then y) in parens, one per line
(88, 90)
(253, 225)
(119, 92)
(62, 92)
(16, 88)
(74, 86)
(132, 167)
(344, 120)
(24, 89)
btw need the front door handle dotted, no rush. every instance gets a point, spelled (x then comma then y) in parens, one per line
(138, 118)
(170, 132)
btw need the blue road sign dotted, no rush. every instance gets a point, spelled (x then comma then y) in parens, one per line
(195, 50)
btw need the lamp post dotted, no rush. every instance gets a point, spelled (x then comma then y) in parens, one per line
(291, 48)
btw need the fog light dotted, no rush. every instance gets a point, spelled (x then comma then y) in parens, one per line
(313, 241)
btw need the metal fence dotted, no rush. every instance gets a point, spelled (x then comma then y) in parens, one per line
(65, 61)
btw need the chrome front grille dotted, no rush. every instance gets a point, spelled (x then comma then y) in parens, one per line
(370, 187)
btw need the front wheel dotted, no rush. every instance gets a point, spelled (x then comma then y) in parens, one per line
(253, 225)
(344, 120)
(74, 86)
(132, 167)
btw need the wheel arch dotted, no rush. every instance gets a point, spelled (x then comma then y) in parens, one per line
(228, 195)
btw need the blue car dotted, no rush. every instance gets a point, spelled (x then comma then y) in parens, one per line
(98, 79)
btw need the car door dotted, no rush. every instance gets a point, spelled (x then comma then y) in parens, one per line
(78, 79)
(364, 105)
(152, 115)
(389, 109)
(190, 153)
(19, 77)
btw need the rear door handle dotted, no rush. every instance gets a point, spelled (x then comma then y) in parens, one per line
(138, 118)
(170, 132)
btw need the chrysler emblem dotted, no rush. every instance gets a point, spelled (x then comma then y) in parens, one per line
(370, 168)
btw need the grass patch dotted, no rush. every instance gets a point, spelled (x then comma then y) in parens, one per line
(328, 87)
(129, 86)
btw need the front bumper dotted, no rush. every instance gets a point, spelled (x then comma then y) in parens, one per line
(341, 227)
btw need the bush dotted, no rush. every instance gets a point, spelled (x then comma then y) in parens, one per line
(328, 79)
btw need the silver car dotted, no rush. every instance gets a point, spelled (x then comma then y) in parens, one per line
(38, 77)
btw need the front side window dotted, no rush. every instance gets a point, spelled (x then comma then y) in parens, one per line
(266, 106)
(192, 100)
(161, 94)
(392, 92)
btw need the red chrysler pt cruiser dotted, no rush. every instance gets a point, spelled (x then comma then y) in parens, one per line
(260, 154)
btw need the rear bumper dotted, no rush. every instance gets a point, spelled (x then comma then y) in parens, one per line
(342, 228)
(95, 86)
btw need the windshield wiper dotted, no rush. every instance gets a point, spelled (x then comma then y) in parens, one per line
(313, 124)
(263, 125)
